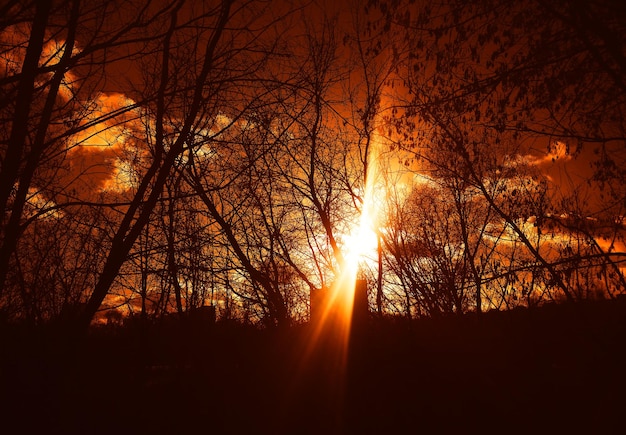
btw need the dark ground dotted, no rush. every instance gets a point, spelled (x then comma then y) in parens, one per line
(558, 369)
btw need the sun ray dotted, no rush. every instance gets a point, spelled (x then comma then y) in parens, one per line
(332, 326)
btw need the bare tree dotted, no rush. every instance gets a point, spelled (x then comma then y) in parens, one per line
(487, 83)
(47, 99)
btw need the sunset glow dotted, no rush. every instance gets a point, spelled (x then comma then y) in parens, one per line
(363, 242)
(332, 329)
(325, 217)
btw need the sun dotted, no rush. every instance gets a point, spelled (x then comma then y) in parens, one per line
(362, 244)
(331, 330)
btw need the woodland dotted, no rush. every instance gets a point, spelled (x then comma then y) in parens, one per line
(179, 179)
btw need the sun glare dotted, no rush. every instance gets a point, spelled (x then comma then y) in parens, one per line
(360, 249)
(333, 319)
(363, 242)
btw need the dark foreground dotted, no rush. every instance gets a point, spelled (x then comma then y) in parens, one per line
(553, 370)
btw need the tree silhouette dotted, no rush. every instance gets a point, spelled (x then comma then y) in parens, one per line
(486, 84)
(171, 155)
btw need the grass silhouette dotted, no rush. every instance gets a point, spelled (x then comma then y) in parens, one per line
(546, 370)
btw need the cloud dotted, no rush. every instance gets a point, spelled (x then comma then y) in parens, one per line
(110, 132)
(558, 151)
